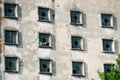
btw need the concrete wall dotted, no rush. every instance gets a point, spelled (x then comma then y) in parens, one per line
(29, 52)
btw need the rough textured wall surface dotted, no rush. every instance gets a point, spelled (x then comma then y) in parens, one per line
(29, 27)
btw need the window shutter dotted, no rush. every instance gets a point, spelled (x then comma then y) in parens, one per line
(17, 37)
(111, 21)
(113, 45)
(82, 43)
(50, 64)
(50, 40)
(81, 18)
(52, 16)
(49, 15)
(83, 69)
(53, 41)
(16, 11)
(17, 64)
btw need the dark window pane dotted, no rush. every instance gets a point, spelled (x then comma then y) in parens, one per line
(75, 17)
(43, 13)
(44, 39)
(10, 37)
(44, 66)
(10, 64)
(106, 20)
(10, 10)
(77, 67)
(76, 42)
(107, 67)
(107, 45)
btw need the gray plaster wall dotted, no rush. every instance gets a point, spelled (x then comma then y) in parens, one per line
(29, 27)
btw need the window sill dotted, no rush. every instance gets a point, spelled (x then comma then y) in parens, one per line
(77, 49)
(107, 26)
(12, 44)
(45, 47)
(77, 24)
(11, 17)
(78, 75)
(48, 73)
(45, 21)
(108, 52)
(10, 71)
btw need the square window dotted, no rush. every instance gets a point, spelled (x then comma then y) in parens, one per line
(45, 66)
(108, 45)
(11, 64)
(78, 68)
(45, 14)
(44, 40)
(76, 17)
(107, 67)
(107, 20)
(10, 10)
(11, 37)
(77, 42)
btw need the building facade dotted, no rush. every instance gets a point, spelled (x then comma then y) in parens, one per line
(54, 40)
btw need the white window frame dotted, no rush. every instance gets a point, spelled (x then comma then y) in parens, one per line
(82, 64)
(16, 40)
(79, 16)
(16, 62)
(80, 41)
(112, 45)
(15, 12)
(49, 61)
(48, 42)
(111, 20)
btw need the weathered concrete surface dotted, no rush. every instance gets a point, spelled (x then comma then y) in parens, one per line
(29, 27)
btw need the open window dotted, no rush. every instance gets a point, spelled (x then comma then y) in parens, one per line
(11, 37)
(45, 66)
(10, 10)
(107, 20)
(77, 43)
(45, 40)
(108, 45)
(76, 18)
(107, 67)
(78, 69)
(11, 64)
(45, 14)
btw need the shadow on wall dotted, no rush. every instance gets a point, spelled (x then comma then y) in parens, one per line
(85, 45)
(116, 47)
(53, 42)
(19, 13)
(20, 40)
(86, 71)
(20, 66)
(54, 68)
(115, 23)
(84, 20)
